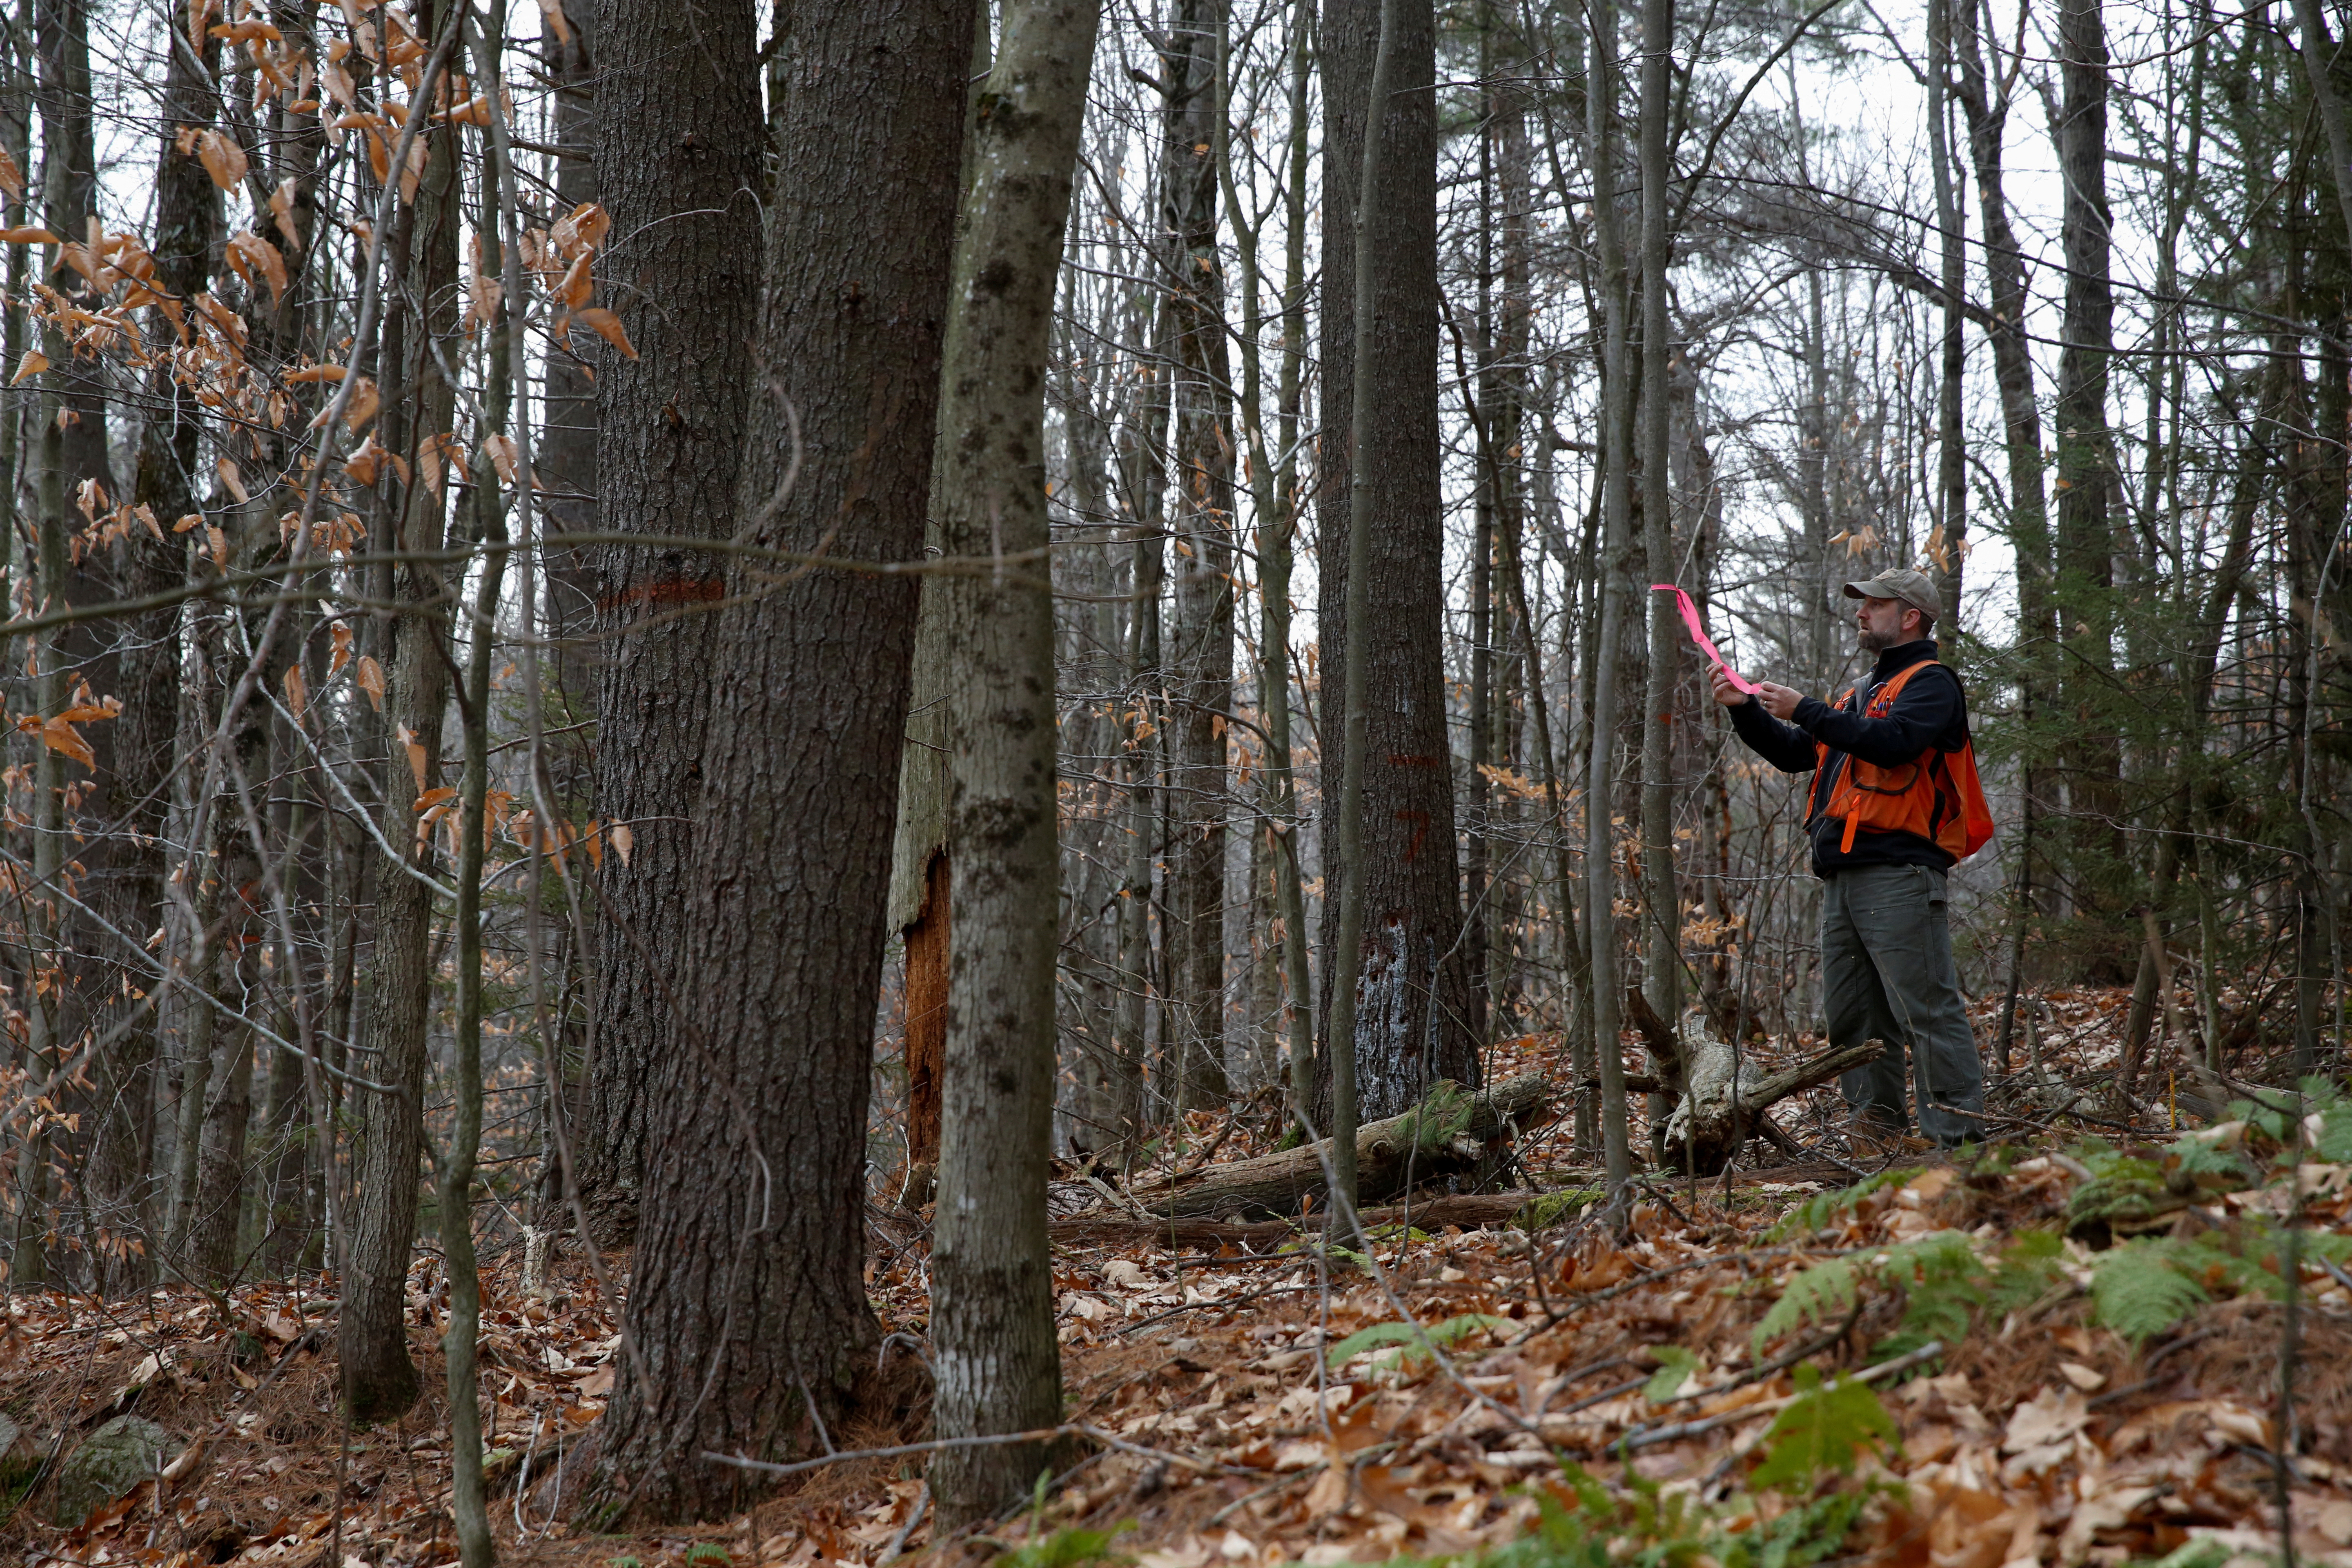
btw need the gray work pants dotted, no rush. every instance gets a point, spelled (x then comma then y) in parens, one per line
(1887, 975)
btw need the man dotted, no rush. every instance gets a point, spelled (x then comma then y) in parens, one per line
(1895, 805)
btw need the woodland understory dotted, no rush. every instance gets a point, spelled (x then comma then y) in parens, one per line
(906, 778)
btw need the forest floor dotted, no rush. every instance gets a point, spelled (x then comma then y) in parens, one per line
(2060, 1350)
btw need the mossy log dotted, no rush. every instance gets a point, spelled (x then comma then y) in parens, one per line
(1454, 1131)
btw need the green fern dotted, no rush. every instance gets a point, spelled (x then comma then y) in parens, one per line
(1824, 1429)
(2139, 1288)
(1816, 1295)
(1942, 1279)
(2194, 1157)
(1414, 1337)
(1939, 1273)
(2025, 1271)
(1816, 1212)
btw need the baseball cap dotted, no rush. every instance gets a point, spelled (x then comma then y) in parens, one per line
(1914, 588)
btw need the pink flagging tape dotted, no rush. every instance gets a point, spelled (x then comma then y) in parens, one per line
(1699, 635)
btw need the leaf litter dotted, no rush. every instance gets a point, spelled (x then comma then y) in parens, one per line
(2059, 1353)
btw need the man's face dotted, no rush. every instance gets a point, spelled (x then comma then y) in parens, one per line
(1885, 624)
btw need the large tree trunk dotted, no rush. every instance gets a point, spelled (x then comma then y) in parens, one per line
(1413, 982)
(1662, 923)
(920, 880)
(564, 453)
(2090, 751)
(748, 1300)
(994, 1349)
(379, 1381)
(1616, 510)
(1201, 642)
(678, 160)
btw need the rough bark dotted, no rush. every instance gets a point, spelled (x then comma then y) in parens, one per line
(679, 168)
(996, 1358)
(564, 452)
(1616, 508)
(1200, 650)
(1450, 1133)
(1662, 968)
(2089, 750)
(380, 1381)
(920, 879)
(747, 1302)
(1413, 980)
(70, 198)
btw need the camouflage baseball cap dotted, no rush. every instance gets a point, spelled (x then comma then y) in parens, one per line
(1914, 588)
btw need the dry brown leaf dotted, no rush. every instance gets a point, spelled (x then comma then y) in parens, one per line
(500, 448)
(361, 406)
(281, 209)
(223, 159)
(583, 227)
(343, 653)
(298, 692)
(573, 290)
(34, 362)
(12, 178)
(415, 755)
(484, 293)
(366, 462)
(624, 841)
(250, 256)
(60, 736)
(369, 678)
(27, 237)
(219, 542)
(607, 326)
(231, 481)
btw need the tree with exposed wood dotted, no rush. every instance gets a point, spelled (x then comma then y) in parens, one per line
(1413, 980)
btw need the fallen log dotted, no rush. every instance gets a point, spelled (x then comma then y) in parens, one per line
(1703, 1135)
(1454, 1131)
(1471, 1211)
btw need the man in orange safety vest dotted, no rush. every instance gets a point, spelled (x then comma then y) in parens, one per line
(1895, 805)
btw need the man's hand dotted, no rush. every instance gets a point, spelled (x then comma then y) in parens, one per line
(1730, 696)
(1781, 702)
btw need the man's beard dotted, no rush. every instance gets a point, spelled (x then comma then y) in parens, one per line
(1876, 642)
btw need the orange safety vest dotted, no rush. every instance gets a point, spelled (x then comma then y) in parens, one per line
(1935, 796)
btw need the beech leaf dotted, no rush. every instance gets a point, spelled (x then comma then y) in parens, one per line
(223, 159)
(369, 678)
(607, 326)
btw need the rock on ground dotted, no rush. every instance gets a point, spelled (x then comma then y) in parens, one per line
(107, 1464)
